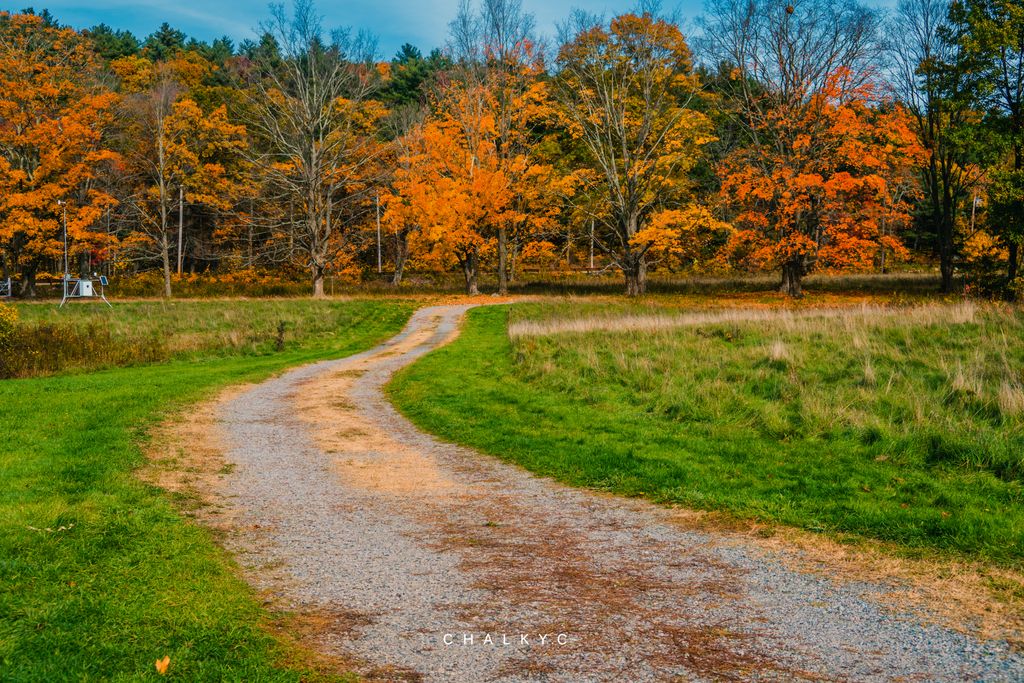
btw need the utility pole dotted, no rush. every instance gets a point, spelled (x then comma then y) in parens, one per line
(110, 251)
(591, 244)
(379, 269)
(252, 219)
(64, 219)
(181, 223)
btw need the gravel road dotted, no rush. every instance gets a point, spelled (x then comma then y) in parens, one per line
(432, 562)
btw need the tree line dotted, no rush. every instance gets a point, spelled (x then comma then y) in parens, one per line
(787, 136)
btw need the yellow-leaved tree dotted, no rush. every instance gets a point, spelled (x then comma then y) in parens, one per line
(624, 87)
(179, 154)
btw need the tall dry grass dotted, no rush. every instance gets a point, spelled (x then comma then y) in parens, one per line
(852, 318)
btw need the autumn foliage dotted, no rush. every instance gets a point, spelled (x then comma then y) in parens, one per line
(625, 88)
(303, 154)
(54, 145)
(832, 190)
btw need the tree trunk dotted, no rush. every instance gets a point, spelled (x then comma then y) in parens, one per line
(1014, 246)
(469, 268)
(318, 282)
(28, 283)
(946, 252)
(792, 272)
(947, 220)
(513, 261)
(635, 270)
(502, 261)
(162, 180)
(1011, 270)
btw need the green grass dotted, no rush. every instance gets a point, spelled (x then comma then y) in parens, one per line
(905, 427)
(128, 580)
(89, 337)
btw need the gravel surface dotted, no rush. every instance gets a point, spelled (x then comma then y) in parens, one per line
(413, 547)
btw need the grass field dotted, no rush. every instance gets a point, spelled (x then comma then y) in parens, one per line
(99, 575)
(903, 425)
(91, 337)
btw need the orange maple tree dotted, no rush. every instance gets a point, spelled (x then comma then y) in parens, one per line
(401, 212)
(468, 182)
(451, 188)
(54, 122)
(831, 191)
(496, 95)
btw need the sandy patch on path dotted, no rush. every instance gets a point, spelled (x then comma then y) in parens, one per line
(364, 455)
(185, 457)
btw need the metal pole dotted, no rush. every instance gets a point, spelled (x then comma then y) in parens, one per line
(181, 223)
(378, 235)
(64, 214)
(64, 280)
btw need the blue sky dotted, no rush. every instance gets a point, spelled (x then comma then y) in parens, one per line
(424, 24)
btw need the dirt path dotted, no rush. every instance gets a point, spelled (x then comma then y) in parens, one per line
(412, 548)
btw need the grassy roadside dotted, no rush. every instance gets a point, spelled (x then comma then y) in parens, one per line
(99, 576)
(883, 429)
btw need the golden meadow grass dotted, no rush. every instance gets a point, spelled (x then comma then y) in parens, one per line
(851, 317)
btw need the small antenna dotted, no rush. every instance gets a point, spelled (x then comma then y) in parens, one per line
(79, 287)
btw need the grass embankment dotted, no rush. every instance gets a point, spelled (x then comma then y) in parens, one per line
(99, 576)
(905, 426)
